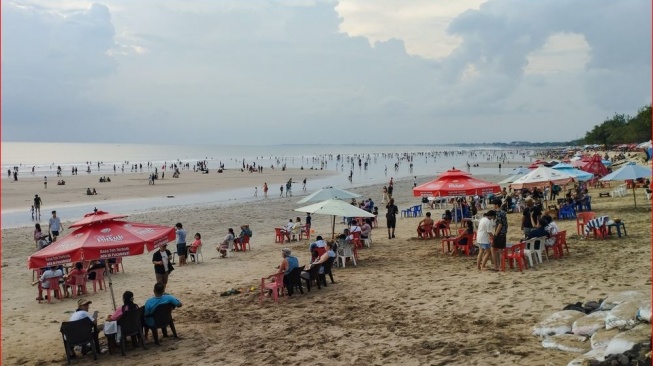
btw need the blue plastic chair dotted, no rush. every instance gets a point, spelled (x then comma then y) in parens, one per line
(567, 212)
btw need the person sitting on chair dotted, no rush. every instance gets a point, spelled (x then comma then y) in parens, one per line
(196, 244)
(317, 247)
(296, 228)
(462, 238)
(244, 231)
(539, 231)
(366, 229)
(128, 304)
(427, 222)
(159, 299)
(44, 282)
(81, 313)
(71, 278)
(329, 253)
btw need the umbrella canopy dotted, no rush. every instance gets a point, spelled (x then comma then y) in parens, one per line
(542, 176)
(453, 172)
(335, 207)
(328, 193)
(96, 217)
(455, 186)
(627, 172)
(103, 240)
(595, 166)
(511, 179)
(576, 173)
(520, 171)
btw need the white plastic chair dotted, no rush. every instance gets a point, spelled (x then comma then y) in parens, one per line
(197, 254)
(345, 250)
(368, 242)
(535, 246)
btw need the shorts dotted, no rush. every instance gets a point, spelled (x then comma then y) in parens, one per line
(499, 241)
(55, 233)
(484, 246)
(181, 249)
(392, 222)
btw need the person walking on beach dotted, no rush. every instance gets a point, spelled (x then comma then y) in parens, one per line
(55, 226)
(281, 189)
(45, 182)
(265, 189)
(37, 206)
(162, 265)
(415, 182)
(304, 185)
(391, 217)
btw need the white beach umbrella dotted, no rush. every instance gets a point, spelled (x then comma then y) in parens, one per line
(328, 193)
(628, 172)
(335, 207)
(511, 179)
(542, 176)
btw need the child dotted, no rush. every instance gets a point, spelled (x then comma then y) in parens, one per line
(255, 191)
(32, 212)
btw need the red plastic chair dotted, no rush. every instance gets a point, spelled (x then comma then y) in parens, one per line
(118, 265)
(427, 234)
(356, 241)
(245, 244)
(79, 284)
(53, 287)
(276, 287)
(442, 231)
(556, 247)
(563, 238)
(99, 279)
(514, 253)
(280, 235)
(467, 248)
(581, 220)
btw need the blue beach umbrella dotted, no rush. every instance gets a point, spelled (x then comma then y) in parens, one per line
(580, 175)
(630, 171)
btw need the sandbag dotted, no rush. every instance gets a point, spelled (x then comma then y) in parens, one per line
(602, 337)
(593, 355)
(623, 316)
(567, 343)
(557, 323)
(589, 324)
(644, 312)
(616, 299)
(624, 341)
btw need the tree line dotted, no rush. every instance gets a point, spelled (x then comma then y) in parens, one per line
(620, 129)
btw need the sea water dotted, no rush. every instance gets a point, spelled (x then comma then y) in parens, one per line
(383, 162)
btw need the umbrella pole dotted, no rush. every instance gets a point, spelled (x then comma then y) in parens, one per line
(333, 228)
(113, 298)
(634, 196)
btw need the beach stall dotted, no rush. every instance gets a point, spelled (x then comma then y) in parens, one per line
(99, 236)
(335, 207)
(542, 176)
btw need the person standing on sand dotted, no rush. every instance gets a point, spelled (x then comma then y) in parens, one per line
(45, 182)
(484, 238)
(181, 243)
(55, 226)
(255, 191)
(281, 189)
(391, 218)
(265, 189)
(500, 232)
(304, 185)
(37, 206)
(162, 265)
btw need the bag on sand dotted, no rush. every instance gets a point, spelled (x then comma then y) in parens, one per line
(624, 341)
(644, 312)
(624, 315)
(593, 355)
(616, 299)
(557, 323)
(589, 324)
(602, 338)
(567, 343)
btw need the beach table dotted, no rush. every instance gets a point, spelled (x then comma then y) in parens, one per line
(617, 225)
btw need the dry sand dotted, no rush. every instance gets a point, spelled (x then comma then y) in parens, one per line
(405, 303)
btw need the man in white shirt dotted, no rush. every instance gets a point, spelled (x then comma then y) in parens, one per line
(484, 236)
(296, 228)
(287, 230)
(44, 280)
(81, 313)
(55, 226)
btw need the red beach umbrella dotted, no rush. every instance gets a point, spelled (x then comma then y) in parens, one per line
(595, 166)
(103, 240)
(96, 217)
(454, 183)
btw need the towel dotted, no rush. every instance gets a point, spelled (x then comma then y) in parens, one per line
(595, 223)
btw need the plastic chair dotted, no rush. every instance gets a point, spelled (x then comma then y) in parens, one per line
(78, 333)
(294, 280)
(99, 279)
(131, 325)
(368, 241)
(328, 265)
(581, 220)
(534, 247)
(276, 287)
(467, 248)
(427, 233)
(198, 253)
(417, 210)
(115, 267)
(567, 212)
(407, 212)
(245, 244)
(514, 253)
(557, 246)
(280, 235)
(80, 284)
(443, 231)
(310, 275)
(345, 251)
(162, 316)
(53, 287)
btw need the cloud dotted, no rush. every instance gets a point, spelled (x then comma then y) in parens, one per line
(320, 71)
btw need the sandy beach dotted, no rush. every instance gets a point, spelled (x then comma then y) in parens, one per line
(404, 303)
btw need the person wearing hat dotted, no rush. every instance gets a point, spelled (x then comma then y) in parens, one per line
(484, 238)
(500, 233)
(81, 313)
(162, 265)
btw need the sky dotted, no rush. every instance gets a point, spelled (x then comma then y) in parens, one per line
(328, 72)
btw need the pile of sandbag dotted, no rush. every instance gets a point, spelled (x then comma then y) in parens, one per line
(605, 330)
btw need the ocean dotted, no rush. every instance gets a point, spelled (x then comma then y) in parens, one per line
(367, 164)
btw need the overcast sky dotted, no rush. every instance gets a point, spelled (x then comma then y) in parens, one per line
(301, 71)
